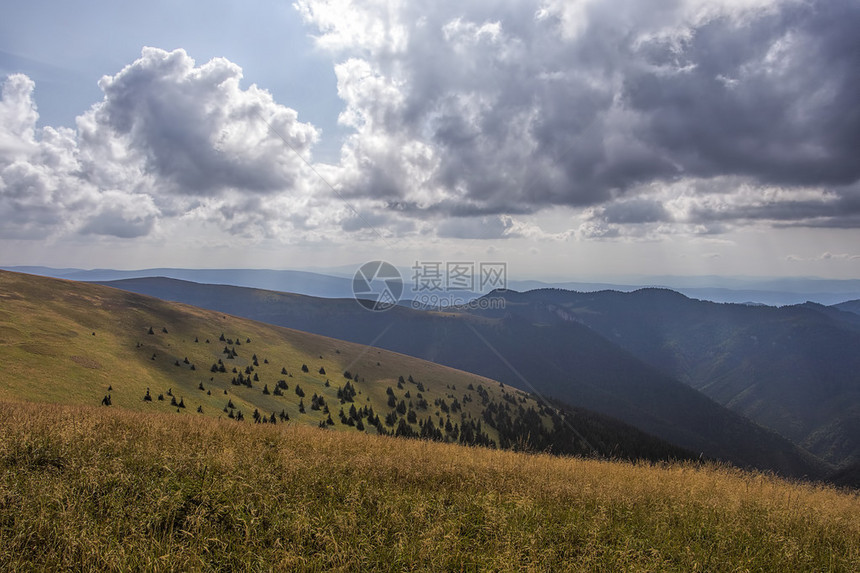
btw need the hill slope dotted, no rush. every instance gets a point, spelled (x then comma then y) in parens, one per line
(564, 360)
(111, 490)
(304, 282)
(68, 342)
(793, 369)
(849, 306)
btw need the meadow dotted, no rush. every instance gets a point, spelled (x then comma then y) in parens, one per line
(89, 488)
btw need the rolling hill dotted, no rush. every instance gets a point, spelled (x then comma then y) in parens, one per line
(77, 343)
(562, 360)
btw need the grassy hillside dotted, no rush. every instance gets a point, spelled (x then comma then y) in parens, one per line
(74, 343)
(564, 360)
(112, 490)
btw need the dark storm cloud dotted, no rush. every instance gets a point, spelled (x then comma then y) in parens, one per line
(634, 211)
(838, 209)
(773, 98)
(525, 105)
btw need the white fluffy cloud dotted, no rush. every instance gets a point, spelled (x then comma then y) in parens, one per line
(196, 130)
(170, 139)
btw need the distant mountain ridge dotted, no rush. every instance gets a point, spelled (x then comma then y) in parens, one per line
(337, 283)
(849, 306)
(568, 361)
(300, 282)
(794, 369)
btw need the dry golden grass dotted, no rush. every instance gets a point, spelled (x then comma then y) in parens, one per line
(98, 489)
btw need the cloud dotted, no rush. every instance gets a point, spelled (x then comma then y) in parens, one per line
(636, 210)
(122, 215)
(18, 117)
(639, 117)
(825, 256)
(768, 97)
(170, 139)
(38, 181)
(499, 107)
(492, 227)
(196, 130)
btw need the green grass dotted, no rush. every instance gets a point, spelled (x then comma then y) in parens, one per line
(89, 488)
(64, 342)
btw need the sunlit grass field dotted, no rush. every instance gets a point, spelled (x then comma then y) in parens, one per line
(65, 342)
(107, 489)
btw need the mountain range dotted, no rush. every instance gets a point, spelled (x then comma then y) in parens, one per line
(554, 357)
(75, 343)
(794, 369)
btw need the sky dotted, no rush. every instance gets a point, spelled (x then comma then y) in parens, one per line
(570, 139)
